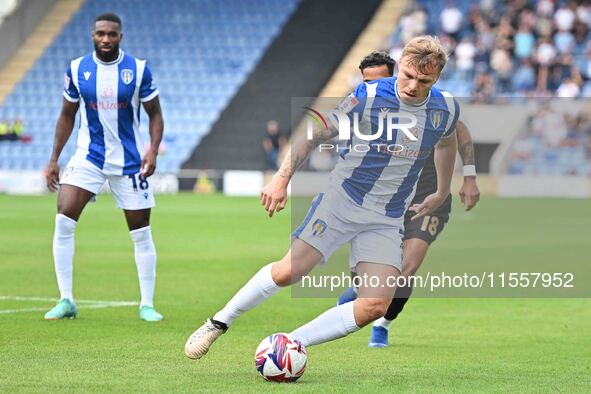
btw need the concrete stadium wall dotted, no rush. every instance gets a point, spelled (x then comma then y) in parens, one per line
(15, 29)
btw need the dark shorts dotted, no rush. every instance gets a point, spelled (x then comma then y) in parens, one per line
(426, 228)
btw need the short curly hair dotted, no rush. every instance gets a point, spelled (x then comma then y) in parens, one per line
(376, 59)
(109, 17)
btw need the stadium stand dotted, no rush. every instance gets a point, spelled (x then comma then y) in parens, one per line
(556, 142)
(501, 48)
(510, 50)
(198, 62)
(298, 64)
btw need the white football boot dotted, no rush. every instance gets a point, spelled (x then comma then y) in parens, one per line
(199, 342)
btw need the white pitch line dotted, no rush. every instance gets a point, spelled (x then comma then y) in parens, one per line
(19, 298)
(6, 311)
(88, 306)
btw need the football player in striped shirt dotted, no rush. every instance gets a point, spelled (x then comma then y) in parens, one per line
(368, 194)
(108, 87)
(418, 234)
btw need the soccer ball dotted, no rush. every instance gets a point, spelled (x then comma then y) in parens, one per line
(281, 358)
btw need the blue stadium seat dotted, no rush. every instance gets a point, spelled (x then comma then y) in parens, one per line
(199, 61)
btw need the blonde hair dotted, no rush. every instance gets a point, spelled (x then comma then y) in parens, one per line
(425, 52)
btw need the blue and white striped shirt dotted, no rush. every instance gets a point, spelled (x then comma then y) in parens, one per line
(382, 180)
(110, 95)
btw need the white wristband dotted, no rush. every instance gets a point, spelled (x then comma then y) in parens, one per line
(469, 170)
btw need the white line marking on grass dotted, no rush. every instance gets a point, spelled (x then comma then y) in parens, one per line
(88, 304)
(19, 298)
(6, 311)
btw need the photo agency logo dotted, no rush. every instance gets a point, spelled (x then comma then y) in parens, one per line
(355, 134)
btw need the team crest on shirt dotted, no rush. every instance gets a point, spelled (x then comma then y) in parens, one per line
(127, 76)
(436, 117)
(319, 227)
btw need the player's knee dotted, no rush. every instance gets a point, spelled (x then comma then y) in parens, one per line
(281, 273)
(374, 308)
(68, 212)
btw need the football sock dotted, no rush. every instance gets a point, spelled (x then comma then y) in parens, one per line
(260, 287)
(401, 296)
(353, 276)
(63, 253)
(145, 260)
(335, 323)
(382, 322)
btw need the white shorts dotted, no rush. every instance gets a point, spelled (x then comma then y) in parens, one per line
(131, 192)
(334, 219)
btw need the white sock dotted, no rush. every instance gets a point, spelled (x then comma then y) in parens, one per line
(63, 253)
(145, 260)
(335, 323)
(382, 322)
(260, 287)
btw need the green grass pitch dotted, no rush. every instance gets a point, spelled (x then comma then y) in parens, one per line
(208, 246)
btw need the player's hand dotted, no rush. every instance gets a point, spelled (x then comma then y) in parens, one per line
(274, 195)
(429, 204)
(469, 193)
(52, 176)
(148, 163)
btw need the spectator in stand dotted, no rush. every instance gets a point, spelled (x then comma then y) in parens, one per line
(581, 34)
(564, 41)
(524, 78)
(586, 65)
(501, 63)
(505, 31)
(568, 88)
(584, 13)
(545, 8)
(533, 47)
(544, 27)
(413, 24)
(484, 88)
(528, 19)
(481, 57)
(273, 143)
(18, 128)
(465, 52)
(451, 20)
(522, 149)
(524, 42)
(564, 17)
(545, 53)
(4, 129)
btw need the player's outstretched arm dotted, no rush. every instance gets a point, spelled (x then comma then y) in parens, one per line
(274, 194)
(469, 192)
(63, 130)
(156, 127)
(445, 155)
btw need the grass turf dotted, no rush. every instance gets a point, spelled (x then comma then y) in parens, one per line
(208, 246)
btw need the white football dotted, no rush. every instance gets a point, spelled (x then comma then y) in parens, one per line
(281, 358)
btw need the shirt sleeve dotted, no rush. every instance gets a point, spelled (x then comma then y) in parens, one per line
(353, 103)
(70, 92)
(148, 88)
(456, 115)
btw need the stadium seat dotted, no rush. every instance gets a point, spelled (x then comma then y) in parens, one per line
(198, 64)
